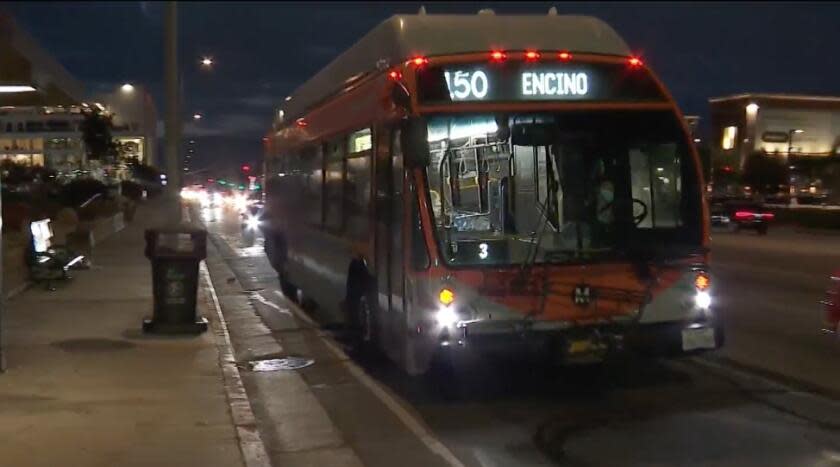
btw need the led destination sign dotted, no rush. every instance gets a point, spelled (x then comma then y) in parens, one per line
(537, 82)
(474, 85)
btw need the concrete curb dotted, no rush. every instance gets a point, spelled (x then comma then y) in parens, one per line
(250, 442)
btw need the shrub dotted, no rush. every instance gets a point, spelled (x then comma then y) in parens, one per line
(765, 173)
(132, 190)
(104, 207)
(67, 216)
(78, 191)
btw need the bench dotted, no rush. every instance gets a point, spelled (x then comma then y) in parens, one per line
(48, 262)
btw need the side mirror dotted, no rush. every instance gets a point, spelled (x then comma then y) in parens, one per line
(414, 141)
(400, 96)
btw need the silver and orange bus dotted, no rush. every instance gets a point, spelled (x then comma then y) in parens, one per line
(476, 184)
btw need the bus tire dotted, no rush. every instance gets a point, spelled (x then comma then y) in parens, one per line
(288, 289)
(361, 322)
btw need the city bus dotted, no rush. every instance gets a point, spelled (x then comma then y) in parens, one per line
(481, 184)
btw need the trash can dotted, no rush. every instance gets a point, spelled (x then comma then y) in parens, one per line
(175, 254)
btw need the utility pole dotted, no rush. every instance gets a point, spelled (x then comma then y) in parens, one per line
(173, 115)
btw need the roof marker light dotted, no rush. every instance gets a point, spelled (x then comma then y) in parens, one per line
(564, 56)
(498, 55)
(532, 55)
(634, 62)
(419, 61)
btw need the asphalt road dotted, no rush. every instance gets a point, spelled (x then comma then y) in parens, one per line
(768, 289)
(518, 413)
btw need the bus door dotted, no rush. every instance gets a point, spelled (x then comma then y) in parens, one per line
(390, 181)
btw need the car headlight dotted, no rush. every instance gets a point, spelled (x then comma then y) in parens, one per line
(252, 222)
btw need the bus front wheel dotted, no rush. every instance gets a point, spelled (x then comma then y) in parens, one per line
(362, 323)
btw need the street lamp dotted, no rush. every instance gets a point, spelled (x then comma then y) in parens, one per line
(197, 116)
(207, 62)
(127, 88)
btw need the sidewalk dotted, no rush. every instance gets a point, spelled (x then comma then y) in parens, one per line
(85, 387)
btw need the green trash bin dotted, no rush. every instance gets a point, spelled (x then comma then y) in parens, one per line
(175, 254)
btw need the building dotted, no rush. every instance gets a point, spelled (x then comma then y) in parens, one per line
(135, 121)
(29, 76)
(36, 98)
(42, 136)
(50, 135)
(791, 127)
(41, 109)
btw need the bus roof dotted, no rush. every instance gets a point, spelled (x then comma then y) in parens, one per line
(404, 36)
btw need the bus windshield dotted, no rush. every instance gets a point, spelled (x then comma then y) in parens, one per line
(560, 187)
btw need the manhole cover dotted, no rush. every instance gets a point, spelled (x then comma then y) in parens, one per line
(275, 364)
(92, 345)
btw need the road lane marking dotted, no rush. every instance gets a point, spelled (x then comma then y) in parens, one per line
(415, 425)
(258, 297)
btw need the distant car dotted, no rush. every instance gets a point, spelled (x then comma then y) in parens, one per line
(252, 217)
(735, 215)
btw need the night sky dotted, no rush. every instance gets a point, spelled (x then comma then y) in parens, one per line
(263, 51)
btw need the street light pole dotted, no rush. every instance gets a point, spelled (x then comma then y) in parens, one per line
(792, 190)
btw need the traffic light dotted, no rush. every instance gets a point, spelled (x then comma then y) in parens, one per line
(246, 168)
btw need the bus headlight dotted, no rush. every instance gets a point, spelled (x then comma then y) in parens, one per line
(703, 300)
(446, 316)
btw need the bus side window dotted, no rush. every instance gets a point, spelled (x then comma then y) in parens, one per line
(334, 187)
(357, 184)
(311, 179)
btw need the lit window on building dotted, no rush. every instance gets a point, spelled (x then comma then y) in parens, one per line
(730, 134)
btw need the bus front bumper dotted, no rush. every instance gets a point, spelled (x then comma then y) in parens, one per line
(584, 343)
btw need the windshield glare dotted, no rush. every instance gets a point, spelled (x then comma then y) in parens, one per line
(507, 189)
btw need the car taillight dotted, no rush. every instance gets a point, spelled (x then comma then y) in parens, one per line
(744, 215)
(768, 215)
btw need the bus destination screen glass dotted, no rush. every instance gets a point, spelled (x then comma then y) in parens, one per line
(517, 81)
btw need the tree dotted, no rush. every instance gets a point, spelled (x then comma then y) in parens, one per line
(96, 133)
